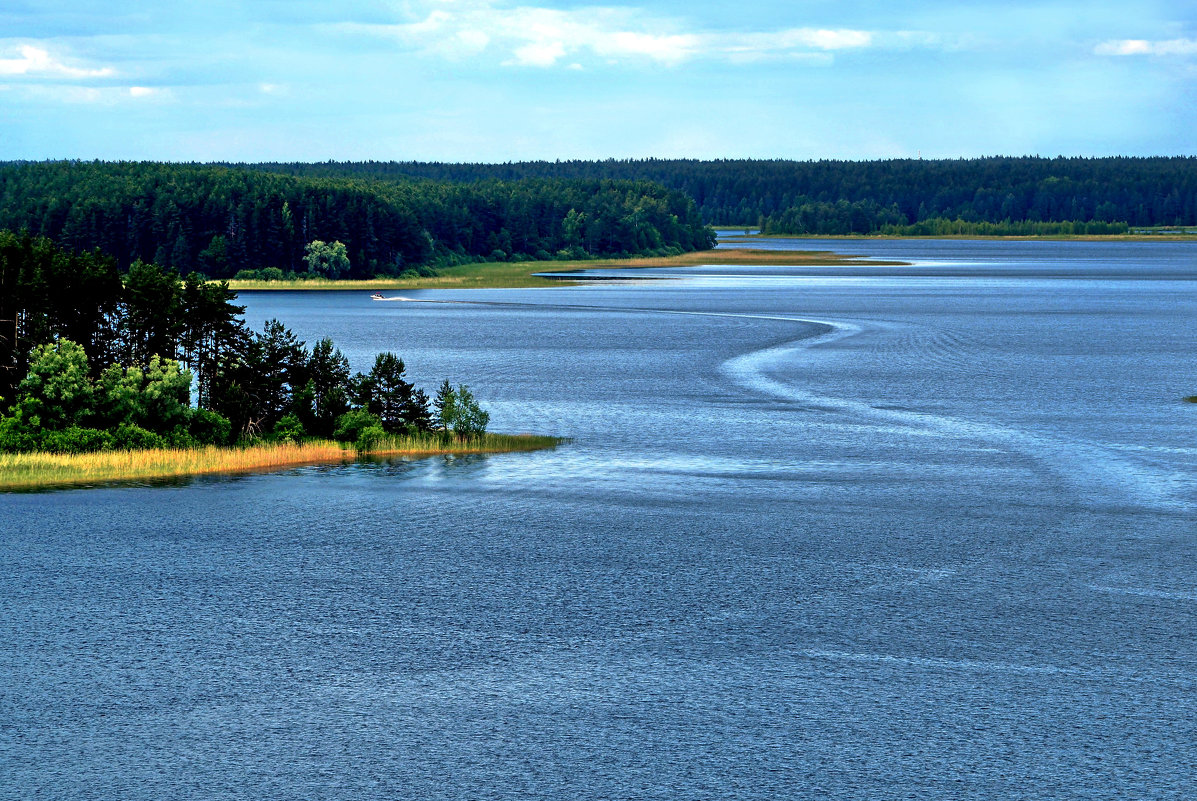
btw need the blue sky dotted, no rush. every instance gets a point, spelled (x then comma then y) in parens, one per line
(488, 80)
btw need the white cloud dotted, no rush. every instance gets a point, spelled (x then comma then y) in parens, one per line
(534, 36)
(539, 54)
(36, 61)
(75, 94)
(1144, 47)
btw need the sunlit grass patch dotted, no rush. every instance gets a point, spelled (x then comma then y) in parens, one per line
(435, 444)
(20, 471)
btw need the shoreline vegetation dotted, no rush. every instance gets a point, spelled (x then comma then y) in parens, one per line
(1178, 236)
(529, 274)
(36, 471)
(524, 275)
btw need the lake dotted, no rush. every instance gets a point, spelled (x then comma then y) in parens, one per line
(857, 532)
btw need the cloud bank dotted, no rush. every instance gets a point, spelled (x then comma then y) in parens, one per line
(533, 36)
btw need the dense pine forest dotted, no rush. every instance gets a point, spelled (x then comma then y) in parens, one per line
(219, 220)
(838, 197)
(91, 359)
(395, 218)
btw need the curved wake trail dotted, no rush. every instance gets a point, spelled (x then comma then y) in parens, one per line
(1087, 466)
(1084, 465)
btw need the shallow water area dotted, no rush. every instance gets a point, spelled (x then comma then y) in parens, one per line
(855, 531)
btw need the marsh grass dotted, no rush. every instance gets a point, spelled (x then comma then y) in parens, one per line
(520, 274)
(435, 445)
(25, 471)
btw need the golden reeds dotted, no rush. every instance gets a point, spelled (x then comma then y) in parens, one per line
(19, 471)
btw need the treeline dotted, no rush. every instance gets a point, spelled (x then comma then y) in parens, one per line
(220, 219)
(1137, 191)
(91, 359)
(942, 227)
(866, 217)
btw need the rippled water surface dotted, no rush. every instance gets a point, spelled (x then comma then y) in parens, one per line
(852, 532)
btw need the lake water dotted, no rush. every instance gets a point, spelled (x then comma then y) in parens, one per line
(851, 532)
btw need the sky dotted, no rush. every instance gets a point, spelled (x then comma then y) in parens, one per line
(491, 80)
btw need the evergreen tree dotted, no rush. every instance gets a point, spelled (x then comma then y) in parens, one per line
(385, 393)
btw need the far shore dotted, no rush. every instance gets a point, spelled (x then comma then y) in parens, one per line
(1176, 237)
(35, 471)
(523, 274)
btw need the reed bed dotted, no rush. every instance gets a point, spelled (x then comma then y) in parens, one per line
(24, 471)
(434, 445)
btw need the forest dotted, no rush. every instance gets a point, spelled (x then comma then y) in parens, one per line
(861, 196)
(91, 359)
(219, 220)
(410, 218)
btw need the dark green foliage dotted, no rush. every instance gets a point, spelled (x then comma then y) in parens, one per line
(288, 429)
(942, 227)
(132, 437)
(211, 332)
(394, 400)
(369, 437)
(350, 425)
(152, 320)
(265, 274)
(222, 220)
(47, 292)
(18, 434)
(328, 387)
(249, 384)
(442, 406)
(209, 428)
(458, 411)
(75, 439)
(1157, 191)
(57, 392)
(281, 368)
(59, 408)
(209, 218)
(326, 259)
(156, 397)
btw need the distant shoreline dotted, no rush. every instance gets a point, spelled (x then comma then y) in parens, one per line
(970, 237)
(522, 275)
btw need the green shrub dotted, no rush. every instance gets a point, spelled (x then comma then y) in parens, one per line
(209, 428)
(350, 425)
(76, 439)
(129, 437)
(370, 436)
(288, 429)
(17, 435)
(180, 438)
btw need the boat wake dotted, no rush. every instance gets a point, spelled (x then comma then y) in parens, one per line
(1090, 468)
(1101, 471)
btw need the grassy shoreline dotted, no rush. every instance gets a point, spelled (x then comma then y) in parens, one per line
(31, 471)
(520, 275)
